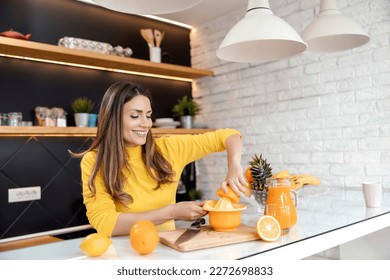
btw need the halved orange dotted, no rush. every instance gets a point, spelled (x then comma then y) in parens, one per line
(234, 198)
(268, 228)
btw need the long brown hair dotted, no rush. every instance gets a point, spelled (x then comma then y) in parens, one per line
(109, 145)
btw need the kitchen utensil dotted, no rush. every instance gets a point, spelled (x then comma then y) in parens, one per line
(155, 54)
(208, 238)
(148, 36)
(193, 230)
(158, 36)
(16, 35)
(224, 219)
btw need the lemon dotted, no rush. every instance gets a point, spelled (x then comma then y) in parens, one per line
(95, 244)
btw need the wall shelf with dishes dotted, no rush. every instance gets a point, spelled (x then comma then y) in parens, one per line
(23, 49)
(72, 131)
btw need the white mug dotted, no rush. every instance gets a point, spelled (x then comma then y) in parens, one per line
(372, 194)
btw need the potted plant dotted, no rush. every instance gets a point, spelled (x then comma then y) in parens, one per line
(187, 109)
(82, 107)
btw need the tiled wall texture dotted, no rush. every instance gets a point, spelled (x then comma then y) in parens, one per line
(323, 114)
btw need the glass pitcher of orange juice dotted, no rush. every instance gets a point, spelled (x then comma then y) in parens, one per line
(280, 203)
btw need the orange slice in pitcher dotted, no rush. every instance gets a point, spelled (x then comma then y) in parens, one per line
(268, 228)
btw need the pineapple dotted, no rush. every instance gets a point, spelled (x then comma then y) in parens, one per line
(260, 171)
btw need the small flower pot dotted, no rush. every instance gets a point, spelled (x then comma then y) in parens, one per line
(187, 121)
(92, 120)
(81, 119)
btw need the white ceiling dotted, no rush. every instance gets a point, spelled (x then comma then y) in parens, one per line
(207, 10)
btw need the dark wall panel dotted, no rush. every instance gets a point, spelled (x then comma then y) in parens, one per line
(44, 162)
(50, 20)
(25, 85)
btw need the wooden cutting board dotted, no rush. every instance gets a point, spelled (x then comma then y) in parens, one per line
(208, 238)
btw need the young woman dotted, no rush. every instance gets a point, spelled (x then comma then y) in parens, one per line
(128, 175)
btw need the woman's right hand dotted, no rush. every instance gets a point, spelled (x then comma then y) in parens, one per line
(188, 210)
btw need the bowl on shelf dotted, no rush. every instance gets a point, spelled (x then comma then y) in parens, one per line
(164, 120)
(166, 123)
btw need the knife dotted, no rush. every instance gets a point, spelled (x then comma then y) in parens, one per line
(190, 232)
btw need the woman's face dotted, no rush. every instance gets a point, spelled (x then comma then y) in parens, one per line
(137, 121)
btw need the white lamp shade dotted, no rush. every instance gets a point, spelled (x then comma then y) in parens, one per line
(260, 36)
(147, 7)
(332, 32)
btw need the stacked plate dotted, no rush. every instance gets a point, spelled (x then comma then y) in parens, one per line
(166, 123)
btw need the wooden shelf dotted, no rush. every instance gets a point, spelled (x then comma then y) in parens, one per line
(78, 58)
(71, 131)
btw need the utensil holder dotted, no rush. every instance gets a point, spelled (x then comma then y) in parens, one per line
(155, 54)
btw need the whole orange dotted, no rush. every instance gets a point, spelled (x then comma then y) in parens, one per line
(248, 175)
(144, 237)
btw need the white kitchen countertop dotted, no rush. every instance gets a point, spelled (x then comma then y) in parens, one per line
(326, 218)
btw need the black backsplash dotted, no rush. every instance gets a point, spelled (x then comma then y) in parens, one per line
(49, 20)
(44, 162)
(25, 85)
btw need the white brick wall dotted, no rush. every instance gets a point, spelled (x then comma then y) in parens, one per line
(324, 114)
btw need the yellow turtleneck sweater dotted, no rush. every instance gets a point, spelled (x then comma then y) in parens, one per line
(102, 211)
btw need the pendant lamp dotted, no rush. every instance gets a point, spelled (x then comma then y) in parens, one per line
(147, 7)
(260, 36)
(332, 31)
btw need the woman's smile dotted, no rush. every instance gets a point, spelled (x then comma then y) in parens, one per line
(141, 133)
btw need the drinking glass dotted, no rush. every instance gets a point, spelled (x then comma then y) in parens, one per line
(15, 118)
(4, 119)
(282, 214)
